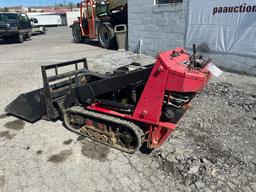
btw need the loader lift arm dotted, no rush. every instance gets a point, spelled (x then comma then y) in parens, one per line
(79, 86)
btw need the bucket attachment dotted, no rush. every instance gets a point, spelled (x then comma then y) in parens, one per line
(32, 106)
(29, 106)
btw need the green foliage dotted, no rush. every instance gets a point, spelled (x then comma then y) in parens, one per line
(65, 4)
(5, 9)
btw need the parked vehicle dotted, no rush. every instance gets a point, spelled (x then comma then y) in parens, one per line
(37, 29)
(15, 26)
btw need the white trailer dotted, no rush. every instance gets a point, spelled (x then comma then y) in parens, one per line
(71, 17)
(46, 19)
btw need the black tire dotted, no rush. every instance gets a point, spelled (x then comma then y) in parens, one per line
(106, 36)
(28, 36)
(77, 35)
(43, 32)
(19, 38)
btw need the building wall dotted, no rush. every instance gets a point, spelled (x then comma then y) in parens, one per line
(163, 27)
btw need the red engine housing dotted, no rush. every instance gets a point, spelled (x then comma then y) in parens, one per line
(171, 73)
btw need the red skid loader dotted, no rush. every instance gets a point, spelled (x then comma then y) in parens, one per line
(135, 106)
(97, 21)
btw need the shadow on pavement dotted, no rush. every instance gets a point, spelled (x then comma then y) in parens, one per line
(11, 41)
(94, 43)
(3, 42)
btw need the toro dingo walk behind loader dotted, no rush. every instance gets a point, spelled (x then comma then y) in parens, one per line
(132, 107)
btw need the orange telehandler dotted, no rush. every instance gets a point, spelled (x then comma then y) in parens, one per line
(97, 21)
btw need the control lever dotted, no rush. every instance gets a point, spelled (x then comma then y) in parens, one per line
(192, 58)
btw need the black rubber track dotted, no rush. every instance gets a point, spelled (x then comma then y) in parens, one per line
(107, 118)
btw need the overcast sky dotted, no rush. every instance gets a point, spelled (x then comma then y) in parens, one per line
(6, 3)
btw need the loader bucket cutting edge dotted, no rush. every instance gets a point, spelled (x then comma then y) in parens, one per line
(29, 106)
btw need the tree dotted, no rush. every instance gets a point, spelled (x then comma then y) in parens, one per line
(70, 5)
(5, 9)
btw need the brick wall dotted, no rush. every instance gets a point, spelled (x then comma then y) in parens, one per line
(159, 27)
(163, 27)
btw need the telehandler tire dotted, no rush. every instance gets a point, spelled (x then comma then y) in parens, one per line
(77, 35)
(106, 36)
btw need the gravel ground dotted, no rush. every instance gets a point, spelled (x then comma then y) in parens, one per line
(212, 149)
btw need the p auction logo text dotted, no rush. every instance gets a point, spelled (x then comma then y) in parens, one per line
(235, 9)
